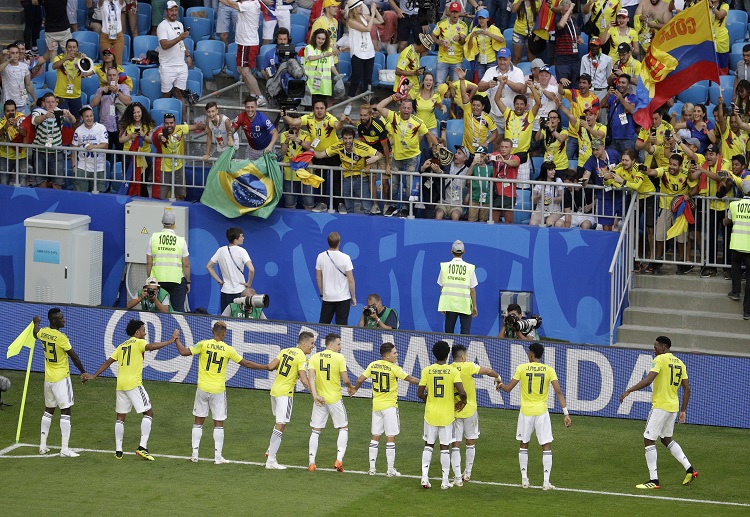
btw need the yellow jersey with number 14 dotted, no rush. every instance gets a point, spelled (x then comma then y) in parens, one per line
(129, 357)
(291, 362)
(328, 366)
(384, 375)
(439, 379)
(534, 379)
(669, 374)
(55, 345)
(212, 364)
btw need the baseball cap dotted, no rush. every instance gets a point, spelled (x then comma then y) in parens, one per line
(545, 68)
(483, 13)
(171, 4)
(623, 12)
(455, 7)
(537, 63)
(329, 3)
(458, 247)
(426, 40)
(463, 150)
(623, 47)
(595, 41)
(151, 281)
(693, 141)
(592, 109)
(745, 186)
(712, 148)
(482, 150)
(596, 143)
(504, 53)
(585, 76)
(168, 218)
(108, 51)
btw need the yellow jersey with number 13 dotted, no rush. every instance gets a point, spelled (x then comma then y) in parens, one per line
(212, 364)
(670, 372)
(534, 379)
(328, 366)
(129, 357)
(291, 362)
(384, 375)
(55, 345)
(439, 379)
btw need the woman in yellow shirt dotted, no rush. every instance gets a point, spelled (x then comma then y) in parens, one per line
(554, 137)
(483, 43)
(427, 100)
(618, 33)
(526, 12)
(109, 61)
(136, 130)
(328, 21)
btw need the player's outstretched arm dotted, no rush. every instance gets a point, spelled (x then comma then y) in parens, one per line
(411, 380)
(309, 383)
(685, 399)
(459, 388)
(253, 366)
(76, 361)
(345, 380)
(37, 320)
(648, 379)
(507, 388)
(563, 404)
(422, 393)
(182, 349)
(489, 372)
(357, 385)
(88, 377)
(162, 344)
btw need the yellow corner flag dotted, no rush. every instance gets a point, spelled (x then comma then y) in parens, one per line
(24, 339)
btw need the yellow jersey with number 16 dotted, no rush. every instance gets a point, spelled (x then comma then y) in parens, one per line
(291, 362)
(212, 364)
(129, 357)
(55, 345)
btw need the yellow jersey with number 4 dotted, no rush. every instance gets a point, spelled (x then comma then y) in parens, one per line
(212, 365)
(534, 379)
(291, 362)
(384, 375)
(439, 379)
(468, 371)
(129, 357)
(328, 366)
(669, 374)
(55, 345)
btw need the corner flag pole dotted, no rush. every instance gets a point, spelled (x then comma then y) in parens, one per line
(23, 397)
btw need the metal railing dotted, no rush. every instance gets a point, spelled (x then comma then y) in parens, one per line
(621, 267)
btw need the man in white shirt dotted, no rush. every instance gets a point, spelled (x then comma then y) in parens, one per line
(232, 260)
(515, 85)
(174, 58)
(598, 65)
(17, 81)
(87, 163)
(335, 277)
(248, 42)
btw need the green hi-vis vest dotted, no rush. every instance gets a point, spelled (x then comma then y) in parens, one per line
(237, 312)
(319, 69)
(166, 255)
(740, 225)
(373, 322)
(455, 295)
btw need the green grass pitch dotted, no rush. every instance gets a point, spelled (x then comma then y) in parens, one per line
(597, 464)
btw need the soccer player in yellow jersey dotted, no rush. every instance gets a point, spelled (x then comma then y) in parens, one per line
(466, 424)
(327, 370)
(535, 379)
(211, 393)
(437, 386)
(667, 374)
(130, 391)
(58, 390)
(384, 374)
(290, 364)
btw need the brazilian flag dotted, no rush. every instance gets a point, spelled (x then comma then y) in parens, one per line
(236, 188)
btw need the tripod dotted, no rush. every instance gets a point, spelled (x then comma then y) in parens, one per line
(3, 404)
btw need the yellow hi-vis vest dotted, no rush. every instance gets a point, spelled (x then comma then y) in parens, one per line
(166, 255)
(740, 211)
(455, 295)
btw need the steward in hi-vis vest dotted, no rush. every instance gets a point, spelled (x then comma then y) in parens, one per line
(458, 298)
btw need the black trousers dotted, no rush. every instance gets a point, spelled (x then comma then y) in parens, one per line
(740, 258)
(361, 74)
(450, 322)
(177, 294)
(339, 309)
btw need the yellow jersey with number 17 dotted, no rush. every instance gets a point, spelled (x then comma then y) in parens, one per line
(291, 362)
(669, 374)
(384, 375)
(328, 366)
(439, 379)
(468, 370)
(129, 357)
(55, 345)
(535, 379)
(212, 364)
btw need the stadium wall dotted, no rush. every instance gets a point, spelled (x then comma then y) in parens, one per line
(591, 377)
(566, 270)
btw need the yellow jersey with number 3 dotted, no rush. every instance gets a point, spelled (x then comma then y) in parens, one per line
(328, 366)
(129, 357)
(534, 379)
(55, 345)
(291, 362)
(212, 365)
(468, 371)
(384, 375)
(439, 379)
(669, 374)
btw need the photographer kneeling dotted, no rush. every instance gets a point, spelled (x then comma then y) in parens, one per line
(249, 306)
(515, 326)
(375, 315)
(152, 298)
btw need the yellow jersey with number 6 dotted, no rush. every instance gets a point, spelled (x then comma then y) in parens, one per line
(212, 365)
(439, 379)
(291, 362)
(129, 357)
(669, 374)
(534, 379)
(55, 345)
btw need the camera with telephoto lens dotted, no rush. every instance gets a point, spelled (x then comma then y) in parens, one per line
(151, 292)
(524, 326)
(370, 311)
(248, 303)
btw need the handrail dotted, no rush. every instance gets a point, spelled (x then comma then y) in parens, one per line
(621, 267)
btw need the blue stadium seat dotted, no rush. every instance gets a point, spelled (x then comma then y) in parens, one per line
(584, 49)
(508, 35)
(376, 68)
(126, 49)
(143, 100)
(50, 78)
(344, 56)
(158, 116)
(195, 75)
(736, 16)
(90, 50)
(727, 82)
(200, 28)
(734, 59)
(210, 45)
(552, 71)
(454, 133)
(298, 33)
(150, 73)
(141, 45)
(145, 9)
(41, 43)
(210, 14)
(736, 47)
(38, 81)
(299, 19)
(536, 166)
(168, 105)
(144, 20)
(710, 112)
(81, 18)
(90, 84)
(131, 71)
(195, 87)
(676, 109)
(189, 45)
(210, 63)
(40, 92)
(391, 61)
(523, 202)
(697, 94)
(230, 60)
(525, 67)
(151, 87)
(87, 36)
(380, 59)
(429, 63)
(713, 94)
(345, 67)
(737, 31)
(136, 83)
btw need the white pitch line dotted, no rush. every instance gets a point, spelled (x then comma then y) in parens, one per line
(3, 455)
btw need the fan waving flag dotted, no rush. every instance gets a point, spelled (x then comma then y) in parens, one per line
(545, 21)
(243, 187)
(682, 53)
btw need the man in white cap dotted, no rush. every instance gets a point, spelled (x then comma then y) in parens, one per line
(174, 57)
(167, 261)
(739, 244)
(152, 298)
(458, 296)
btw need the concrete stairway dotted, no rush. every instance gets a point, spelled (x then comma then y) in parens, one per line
(693, 312)
(11, 22)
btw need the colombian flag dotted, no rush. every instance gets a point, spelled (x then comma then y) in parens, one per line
(681, 54)
(683, 217)
(545, 21)
(243, 187)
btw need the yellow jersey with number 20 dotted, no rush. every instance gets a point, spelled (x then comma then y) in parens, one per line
(384, 375)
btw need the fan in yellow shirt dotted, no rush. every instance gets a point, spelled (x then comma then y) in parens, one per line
(58, 390)
(535, 379)
(290, 365)
(437, 386)
(384, 374)
(667, 374)
(130, 391)
(466, 424)
(327, 371)
(211, 394)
